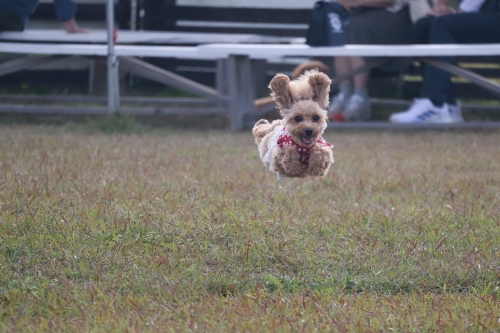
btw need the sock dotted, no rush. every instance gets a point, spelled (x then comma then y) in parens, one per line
(363, 92)
(346, 89)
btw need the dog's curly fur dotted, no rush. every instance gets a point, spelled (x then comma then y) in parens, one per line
(302, 103)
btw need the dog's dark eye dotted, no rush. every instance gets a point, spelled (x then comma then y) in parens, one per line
(298, 119)
(314, 97)
(315, 118)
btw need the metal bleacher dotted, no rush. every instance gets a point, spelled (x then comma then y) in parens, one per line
(240, 58)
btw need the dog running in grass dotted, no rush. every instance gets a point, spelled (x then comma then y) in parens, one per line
(293, 146)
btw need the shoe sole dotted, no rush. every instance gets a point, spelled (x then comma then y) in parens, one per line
(424, 122)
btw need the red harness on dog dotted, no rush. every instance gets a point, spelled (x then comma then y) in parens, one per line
(285, 140)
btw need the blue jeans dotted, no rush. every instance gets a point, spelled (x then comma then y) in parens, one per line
(9, 21)
(465, 28)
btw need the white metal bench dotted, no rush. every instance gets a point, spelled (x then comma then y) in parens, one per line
(129, 44)
(127, 54)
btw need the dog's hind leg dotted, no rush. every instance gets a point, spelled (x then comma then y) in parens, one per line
(260, 129)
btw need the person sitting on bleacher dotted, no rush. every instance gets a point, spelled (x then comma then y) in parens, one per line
(372, 22)
(475, 22)
(14, 14)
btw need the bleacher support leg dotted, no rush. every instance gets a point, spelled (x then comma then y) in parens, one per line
(113, 84)
(221, 79)
(259, 77)
(240, 88)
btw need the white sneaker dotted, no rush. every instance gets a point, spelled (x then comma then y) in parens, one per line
(338, 103)
(423, 111)
(357, 109)
(456, 113)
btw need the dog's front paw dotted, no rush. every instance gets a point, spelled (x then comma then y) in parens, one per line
(320, 160)
(291, 161)
(278, 157)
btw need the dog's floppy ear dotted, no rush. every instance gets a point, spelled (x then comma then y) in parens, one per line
(321, 87)
(280, 93)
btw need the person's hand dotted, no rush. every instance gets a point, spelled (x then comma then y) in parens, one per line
(440, 10)
(72, 27)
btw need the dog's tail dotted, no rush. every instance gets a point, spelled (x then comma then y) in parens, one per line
(262, 128)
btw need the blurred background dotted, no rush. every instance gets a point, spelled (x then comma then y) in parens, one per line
(285, 18)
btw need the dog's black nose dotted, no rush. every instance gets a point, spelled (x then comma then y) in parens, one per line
(308, 131)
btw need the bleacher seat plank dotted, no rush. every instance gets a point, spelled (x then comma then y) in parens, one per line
(60, 49)
(278, 18)
(186, 52)
(258, 51)
(280, 4)
(138, 37)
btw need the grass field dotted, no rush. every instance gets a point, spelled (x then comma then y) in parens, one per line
(184, 231)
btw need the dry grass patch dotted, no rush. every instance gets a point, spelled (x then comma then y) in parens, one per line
(186, 231)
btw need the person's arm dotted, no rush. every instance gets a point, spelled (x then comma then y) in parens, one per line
(66, 10)
(348, 4)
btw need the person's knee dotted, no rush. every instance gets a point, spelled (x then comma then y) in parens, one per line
(424, 23)
(440, 32)
(447, 21)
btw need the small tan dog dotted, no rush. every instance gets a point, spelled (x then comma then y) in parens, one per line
(293, 146)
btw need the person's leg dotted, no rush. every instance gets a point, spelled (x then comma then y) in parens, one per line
(357, 107)
(421, 31)
(343, 66)
(464, 28)
(421, 109)
(436, 104)
(421, 35)
(437, 85)
(361, 80)
(372, 26)
(352, 101)
(470, 28)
